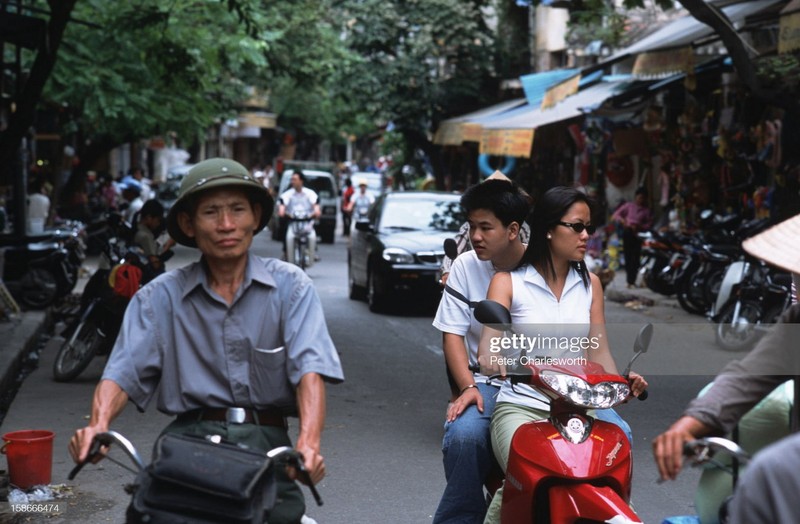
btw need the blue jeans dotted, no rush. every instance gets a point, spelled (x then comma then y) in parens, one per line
(467, 458)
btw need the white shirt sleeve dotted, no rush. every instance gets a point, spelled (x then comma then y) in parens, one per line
(454, 315)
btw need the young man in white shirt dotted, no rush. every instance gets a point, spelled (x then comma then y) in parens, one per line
(496, 211)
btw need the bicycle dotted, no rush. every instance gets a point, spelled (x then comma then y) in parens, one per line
(200, 480)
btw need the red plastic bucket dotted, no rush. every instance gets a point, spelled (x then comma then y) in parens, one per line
(30, 457)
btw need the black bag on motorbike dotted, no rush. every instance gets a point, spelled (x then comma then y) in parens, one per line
(192, 480)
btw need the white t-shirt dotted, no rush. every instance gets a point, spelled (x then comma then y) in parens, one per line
(299, 201)
(470, 276)
(534, 304)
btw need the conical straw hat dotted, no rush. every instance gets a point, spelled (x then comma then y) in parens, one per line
(778, 245)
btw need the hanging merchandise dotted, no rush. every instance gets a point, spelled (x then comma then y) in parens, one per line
(619, 170)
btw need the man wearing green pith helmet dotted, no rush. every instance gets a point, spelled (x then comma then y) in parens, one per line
(229, 334)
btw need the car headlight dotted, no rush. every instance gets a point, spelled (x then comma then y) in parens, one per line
(395, 255)
(600, 396)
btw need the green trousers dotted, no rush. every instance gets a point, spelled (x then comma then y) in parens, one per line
(290, 505)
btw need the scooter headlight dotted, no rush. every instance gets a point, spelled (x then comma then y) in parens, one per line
(396, 255)
(600, 396)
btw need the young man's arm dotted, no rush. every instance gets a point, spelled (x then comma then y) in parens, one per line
(455, 355)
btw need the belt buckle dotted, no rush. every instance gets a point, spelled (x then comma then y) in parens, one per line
(235, 415)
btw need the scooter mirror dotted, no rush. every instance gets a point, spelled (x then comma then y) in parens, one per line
(643, 339)
(491, 312)
(450, 248)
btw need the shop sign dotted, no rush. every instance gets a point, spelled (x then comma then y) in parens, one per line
(471, 132)
(658, 64)
(507, 142)
(448, 134)
(258, 119)
(560, 91)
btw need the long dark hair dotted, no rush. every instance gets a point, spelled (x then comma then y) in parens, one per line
(546, 214)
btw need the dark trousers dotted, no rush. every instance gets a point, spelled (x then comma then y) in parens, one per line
(632, 247)
(290, 504)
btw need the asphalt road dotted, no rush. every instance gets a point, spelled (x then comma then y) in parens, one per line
(384, 426)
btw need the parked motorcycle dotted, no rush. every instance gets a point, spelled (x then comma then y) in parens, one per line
(757, 295)
(105, 297)
(662, 258)
(708, 254)
(36, 273)
(570, 467)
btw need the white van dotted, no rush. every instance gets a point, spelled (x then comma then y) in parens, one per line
(324, 185)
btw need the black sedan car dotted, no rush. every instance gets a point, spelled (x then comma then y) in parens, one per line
(399, 250)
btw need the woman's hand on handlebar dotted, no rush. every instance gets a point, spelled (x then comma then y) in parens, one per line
(638, 384)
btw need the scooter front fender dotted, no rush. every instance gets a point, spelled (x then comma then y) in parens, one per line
(733, 275)
(585, 502)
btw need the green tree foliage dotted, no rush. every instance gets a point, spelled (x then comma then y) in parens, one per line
(420, 59)
(149, 67)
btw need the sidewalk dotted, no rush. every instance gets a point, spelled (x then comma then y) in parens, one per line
(19, 336)
(648, 302)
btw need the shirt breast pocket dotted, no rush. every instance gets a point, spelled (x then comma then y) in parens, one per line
(268, 377)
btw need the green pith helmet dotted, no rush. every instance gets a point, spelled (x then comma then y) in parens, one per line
(211, 174)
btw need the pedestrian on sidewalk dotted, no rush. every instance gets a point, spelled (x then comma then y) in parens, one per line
(634, 217)
(228, 335)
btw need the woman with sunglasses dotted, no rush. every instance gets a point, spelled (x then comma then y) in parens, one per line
(551, 295)
(633, 217)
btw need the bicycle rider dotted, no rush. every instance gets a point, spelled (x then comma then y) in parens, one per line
(228, 335)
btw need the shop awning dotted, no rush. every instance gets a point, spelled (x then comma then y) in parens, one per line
(687, 30)
(513, 135)
(536, 85)
(466, 128)
(571, 107)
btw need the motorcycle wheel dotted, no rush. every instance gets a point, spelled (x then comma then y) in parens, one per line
(743, 334)
(654, 281)
(38, 288)
(685, 297)
(74, 357)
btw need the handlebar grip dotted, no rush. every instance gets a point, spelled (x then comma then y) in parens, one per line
(94, 450)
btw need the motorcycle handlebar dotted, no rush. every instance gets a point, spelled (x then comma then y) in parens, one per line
(703, 449)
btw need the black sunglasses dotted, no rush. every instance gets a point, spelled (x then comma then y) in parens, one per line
(578, 227)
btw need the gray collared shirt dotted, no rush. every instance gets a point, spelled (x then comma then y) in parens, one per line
(181, 342)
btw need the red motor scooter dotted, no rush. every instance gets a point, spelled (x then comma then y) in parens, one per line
(570, 467)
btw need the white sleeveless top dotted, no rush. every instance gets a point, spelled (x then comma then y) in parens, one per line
(548, 323)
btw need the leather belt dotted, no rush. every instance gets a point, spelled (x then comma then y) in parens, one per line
(261, 417)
